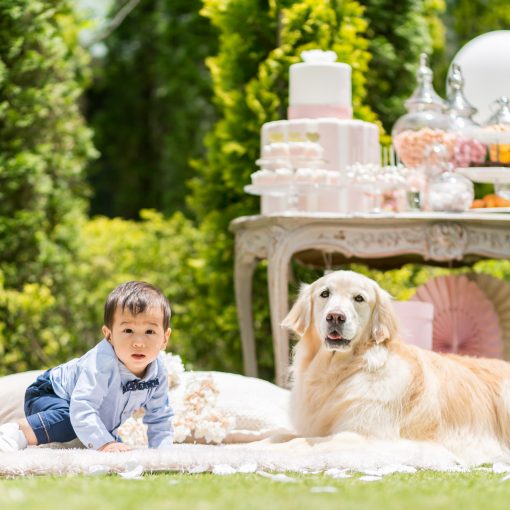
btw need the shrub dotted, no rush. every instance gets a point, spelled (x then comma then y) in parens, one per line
(250, 75)
(44, 145)
(150, 107)
(397, 33)
(154, 249)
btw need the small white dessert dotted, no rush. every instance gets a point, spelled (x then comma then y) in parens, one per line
(304, 176)
(321, 176)
(263, 177)
(313, 150)
(333, 178)
(279, 150)
(284, 176)
(267, 152)
(297, 149)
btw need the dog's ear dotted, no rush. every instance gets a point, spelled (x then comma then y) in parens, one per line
(299, 317)
(384, 322)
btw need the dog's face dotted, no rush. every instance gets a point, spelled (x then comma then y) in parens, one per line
(343, 308)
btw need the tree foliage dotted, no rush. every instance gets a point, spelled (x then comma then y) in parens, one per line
(150, 107)
(258, 42)
(471, 18)
(40, 328)
(44, 145)
(464, 20)
(398, 32)
(151, 248)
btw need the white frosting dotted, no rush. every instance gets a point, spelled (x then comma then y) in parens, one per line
(313, 150)
(318, 56)
(266, 152)
(297, 149)
(279, 150)
(321, 176)
(263, 177)
(333, 178)
(304, 175)
(284, 175)
(320, 80)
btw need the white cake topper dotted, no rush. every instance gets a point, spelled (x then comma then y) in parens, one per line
(318, 56)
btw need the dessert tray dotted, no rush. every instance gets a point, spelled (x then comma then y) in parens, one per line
(290, 162)
(490, 210)
(288, 188)
(494, 174)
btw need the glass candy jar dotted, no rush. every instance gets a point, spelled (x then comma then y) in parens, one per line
(467, 150)
(499, 127)
(450, 192)
(425, 123)
(499, 150)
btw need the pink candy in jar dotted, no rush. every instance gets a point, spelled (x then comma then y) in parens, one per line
(411, 146)
(425, 122)
(467, 152)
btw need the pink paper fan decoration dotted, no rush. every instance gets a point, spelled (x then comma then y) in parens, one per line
(498, 292)
(465, 321)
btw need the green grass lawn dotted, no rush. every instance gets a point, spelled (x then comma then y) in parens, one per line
(423, 490)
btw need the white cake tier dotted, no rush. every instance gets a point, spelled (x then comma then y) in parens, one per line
(324, 83)
(345, 141)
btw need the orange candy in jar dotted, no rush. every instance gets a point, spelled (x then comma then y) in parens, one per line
(499, 125)
(426, 122)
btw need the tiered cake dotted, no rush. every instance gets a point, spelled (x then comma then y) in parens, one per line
(320, 113)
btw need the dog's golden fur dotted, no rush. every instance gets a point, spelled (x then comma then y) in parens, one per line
(352, 373)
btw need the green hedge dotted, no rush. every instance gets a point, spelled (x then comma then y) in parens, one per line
(44, 146)
(150, 107)
(40, 331)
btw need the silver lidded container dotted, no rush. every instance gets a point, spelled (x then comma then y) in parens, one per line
(425, 123)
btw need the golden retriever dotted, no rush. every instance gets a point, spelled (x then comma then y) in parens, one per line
(352, 373)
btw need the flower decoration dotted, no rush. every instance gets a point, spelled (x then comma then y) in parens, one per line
(196, 417)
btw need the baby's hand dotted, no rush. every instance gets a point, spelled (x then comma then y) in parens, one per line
(114, 447)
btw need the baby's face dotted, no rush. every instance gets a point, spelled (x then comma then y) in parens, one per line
(137, 339)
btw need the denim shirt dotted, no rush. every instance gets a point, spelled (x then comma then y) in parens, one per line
(102, 394)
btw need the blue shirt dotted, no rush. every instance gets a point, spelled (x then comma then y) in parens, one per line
(102, 394)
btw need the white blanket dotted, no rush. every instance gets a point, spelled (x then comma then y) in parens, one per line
(343, 451)
(251, 409)
(198, 458)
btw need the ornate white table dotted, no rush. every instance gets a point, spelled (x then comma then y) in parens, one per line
(386, 240)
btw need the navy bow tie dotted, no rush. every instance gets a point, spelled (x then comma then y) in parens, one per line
(135, 385)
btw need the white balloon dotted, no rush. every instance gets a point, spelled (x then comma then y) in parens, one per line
(485, 65)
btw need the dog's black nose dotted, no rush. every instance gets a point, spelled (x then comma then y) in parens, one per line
(335, 317)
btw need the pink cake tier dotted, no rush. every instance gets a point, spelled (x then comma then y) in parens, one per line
(345, 141)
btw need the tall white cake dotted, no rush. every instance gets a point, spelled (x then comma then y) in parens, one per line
(320, 110)
(320, 87)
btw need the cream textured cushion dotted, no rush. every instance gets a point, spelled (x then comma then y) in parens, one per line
(12, 394)
(254, 408)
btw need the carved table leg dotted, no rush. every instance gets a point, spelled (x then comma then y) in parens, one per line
(278, 302)
(243, 275)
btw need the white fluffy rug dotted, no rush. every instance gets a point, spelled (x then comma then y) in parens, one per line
(344, 451)
(237, 408)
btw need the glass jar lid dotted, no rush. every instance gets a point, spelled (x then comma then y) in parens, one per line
(459, 108)
(502, 113)
(424, 95)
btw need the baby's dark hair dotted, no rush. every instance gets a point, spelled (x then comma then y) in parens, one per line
(136, 297)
